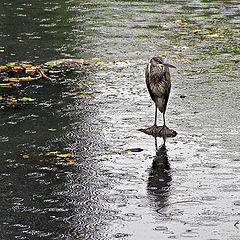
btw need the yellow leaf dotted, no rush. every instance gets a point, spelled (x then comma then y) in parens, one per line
(80, 61)
(54, 153)
(65, 155)
(26, 65)
(180, 22)
(215, 35)
(25, 156)
(100, 63)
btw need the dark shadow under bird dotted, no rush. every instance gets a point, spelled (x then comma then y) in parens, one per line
(158, 82)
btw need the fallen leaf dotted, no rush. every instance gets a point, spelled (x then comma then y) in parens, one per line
(180, 22)
(5, 85)
(196, 31)
(11, 80)
(132, 150)
(53, 153)
(100, 63)
(214, 35)
(65, 155)
(31, 71)
(12, 103)
(27, 65)
(70, 160)
(26, 99)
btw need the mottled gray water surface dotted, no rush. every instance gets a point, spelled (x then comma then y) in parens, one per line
(189, 189)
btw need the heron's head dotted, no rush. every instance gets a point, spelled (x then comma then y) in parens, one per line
(161, 61)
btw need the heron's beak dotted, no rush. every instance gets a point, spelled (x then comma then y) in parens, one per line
(168, 65)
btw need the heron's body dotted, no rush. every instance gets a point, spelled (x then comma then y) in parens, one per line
(158, 82)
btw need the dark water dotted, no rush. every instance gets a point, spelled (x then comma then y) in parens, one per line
(190, 189)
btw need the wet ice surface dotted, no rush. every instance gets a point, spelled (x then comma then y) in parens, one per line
(188, 190)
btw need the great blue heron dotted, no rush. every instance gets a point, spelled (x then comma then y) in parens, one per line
(158, 82)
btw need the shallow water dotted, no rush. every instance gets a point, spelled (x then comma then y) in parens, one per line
(190, 189)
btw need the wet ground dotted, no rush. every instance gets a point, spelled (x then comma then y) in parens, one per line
(64, 172)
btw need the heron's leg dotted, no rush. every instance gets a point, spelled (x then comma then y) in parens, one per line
(155, 137)
(164, 122)
(164, 128)
(155, 122)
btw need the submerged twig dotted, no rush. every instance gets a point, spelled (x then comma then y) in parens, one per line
(44, 75)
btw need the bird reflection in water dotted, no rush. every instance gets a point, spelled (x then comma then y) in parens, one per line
(159, 181)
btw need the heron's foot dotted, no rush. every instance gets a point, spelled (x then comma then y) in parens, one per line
(158, 131)
(164, 130)
(154, 129)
